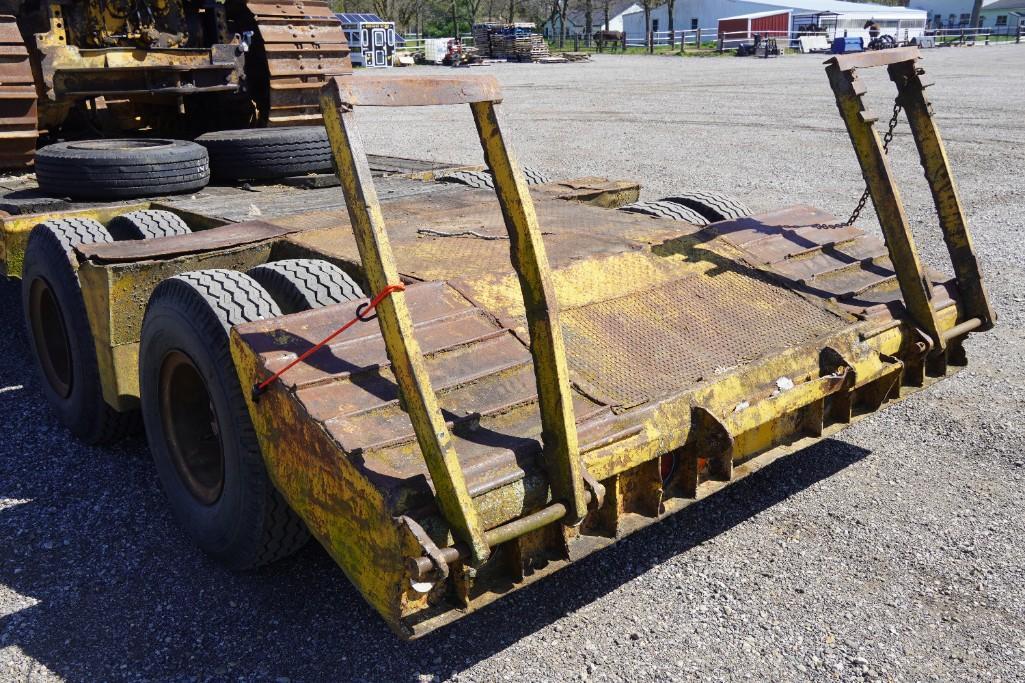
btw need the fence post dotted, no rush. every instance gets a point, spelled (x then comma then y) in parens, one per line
(697, 39)
(576, 42)
(1017, 37)
(624, 41)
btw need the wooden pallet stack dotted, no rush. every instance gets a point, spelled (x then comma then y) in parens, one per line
(515, 42)
(482, 38)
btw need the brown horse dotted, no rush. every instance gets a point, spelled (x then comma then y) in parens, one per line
(615, 38)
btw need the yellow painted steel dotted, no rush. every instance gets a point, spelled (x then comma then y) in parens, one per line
(946, 198)
(343, 509)
(721, 426)
(115, 297)
(14, 230)
(359, 529)
(378, 262)
(875, 166)
(559, 431)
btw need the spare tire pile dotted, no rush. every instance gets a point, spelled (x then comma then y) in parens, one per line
(121, 168)
(267, 153)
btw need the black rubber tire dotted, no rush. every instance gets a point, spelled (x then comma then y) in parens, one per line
(535, 177)
(477, 179)
(304, 284)
(665, 209)
(144, 225)
(76, 397)
(121, 169)
(268, 153)
(484, 180)
(249, 524)
(714, 206)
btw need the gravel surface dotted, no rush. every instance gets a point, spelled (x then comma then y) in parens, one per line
(894, 551)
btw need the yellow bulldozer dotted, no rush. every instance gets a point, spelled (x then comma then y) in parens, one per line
(179, 68)
(457, 396)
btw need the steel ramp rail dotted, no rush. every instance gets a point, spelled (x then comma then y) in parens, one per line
(530, 261)
(902, 66)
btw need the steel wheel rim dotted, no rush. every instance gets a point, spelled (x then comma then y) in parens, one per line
(191, 428)
(50, 333)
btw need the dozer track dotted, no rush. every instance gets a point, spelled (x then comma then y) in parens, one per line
(19, 127)
(304, 45)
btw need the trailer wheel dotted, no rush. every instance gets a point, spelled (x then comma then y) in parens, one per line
(268, 153)
(203, 442)
(664, 209)
(121, 169)
(144, 225)
(535, 177)
(303, 284)
(484, 180)
(714, 206)
(59, 333)
(477, 179)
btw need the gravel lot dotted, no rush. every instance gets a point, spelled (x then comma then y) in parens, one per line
(894, 551)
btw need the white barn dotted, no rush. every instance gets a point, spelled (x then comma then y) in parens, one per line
(576, 21)
(902, 23)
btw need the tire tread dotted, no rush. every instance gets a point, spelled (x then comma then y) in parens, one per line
(220, 299)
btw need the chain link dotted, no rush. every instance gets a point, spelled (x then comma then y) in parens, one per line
(886, 148)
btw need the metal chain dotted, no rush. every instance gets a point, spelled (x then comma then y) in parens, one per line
(886, 148)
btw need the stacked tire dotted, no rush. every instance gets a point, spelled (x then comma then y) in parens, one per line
(267, 153)
(121, 168)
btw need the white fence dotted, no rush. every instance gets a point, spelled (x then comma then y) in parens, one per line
(692, 37)
(791, 40)
(710, 38)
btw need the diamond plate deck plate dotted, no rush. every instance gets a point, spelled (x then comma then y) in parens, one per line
(646, 345)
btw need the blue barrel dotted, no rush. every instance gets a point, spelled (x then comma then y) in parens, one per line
(848, 44)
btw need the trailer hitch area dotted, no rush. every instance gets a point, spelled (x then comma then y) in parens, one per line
(432, 565)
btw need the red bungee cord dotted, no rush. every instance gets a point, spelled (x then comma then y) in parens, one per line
(361, 310)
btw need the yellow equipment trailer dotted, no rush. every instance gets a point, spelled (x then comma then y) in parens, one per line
(543, 376)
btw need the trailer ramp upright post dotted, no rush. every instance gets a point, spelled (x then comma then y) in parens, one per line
(530, 261)
(875, 166)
